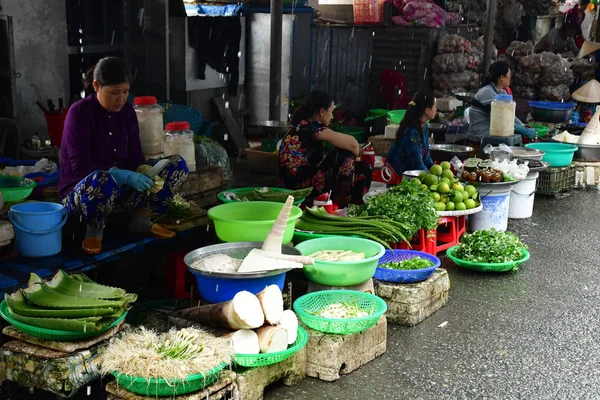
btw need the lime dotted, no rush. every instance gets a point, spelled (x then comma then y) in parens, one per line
(458, 186)
(457, 197)
(445, 165)
(416, 180)
(440, 207)
(443, 187)
(435, 196)
(431, 180)
(425, 187)
(471, 190)
(433, 188)
(460, 206)
(436, 170)
(445, 180)
(449, 206)
(470, 203)
(422, 176)
(447, 174)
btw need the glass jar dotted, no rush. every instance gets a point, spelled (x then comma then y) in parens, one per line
(179, 139)
(502, 116)
(150, 119)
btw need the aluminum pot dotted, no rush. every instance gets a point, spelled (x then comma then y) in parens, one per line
(446, 152)
(524, 153)
(275, 128)
(587, 153)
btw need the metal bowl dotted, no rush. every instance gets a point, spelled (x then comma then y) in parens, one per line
(585, 152)
(525, 153)
(413, 173)
(464, 96)
(235, 250)
(275, 128)
(446, 152)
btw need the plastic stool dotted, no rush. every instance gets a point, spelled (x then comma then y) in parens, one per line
(455, 227)
(514, 140)
(177, 275)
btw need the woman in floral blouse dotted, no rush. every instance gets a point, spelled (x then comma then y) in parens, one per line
(302, 162)
(410, 150)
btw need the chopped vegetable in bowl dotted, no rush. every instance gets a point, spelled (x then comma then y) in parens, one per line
(337, 255)
(342, 311)
(411, 264)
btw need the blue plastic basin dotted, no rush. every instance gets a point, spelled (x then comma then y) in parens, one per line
(218, 290)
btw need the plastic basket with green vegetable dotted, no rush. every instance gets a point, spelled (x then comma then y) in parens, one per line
(357, 311)
(406, 266)
(171, 387)
(260, 360)
(489, 250)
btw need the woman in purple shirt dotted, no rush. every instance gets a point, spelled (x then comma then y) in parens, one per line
(102, 165)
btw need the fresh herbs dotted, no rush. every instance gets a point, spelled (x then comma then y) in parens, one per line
(490, 246)
(179, 208)
(410, 264)
(408, 203)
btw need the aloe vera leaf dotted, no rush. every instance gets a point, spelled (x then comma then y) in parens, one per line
(64, 284)
(40, 294)
(18, 303)
(74, 325)
(81, 277)
(34, 278)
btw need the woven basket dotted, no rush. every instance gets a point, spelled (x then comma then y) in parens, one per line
(260, 360)
(487, 267)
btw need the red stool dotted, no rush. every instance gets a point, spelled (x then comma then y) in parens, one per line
(178, 279)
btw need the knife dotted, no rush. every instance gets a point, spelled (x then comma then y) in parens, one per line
(159, 166)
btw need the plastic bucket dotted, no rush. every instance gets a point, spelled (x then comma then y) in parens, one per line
(218, 290)
(38, 228)
(496, 202)
(522, 197)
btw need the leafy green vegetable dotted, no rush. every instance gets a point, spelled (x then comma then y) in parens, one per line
(179, 208)
(410, 264)
(408, 203)
(490, 246)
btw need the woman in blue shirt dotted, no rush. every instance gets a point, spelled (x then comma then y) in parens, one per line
(410, 150)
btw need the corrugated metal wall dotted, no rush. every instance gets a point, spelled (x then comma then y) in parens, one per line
(347, 61)
(340, 64)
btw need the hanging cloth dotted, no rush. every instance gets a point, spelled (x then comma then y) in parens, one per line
(217, 44)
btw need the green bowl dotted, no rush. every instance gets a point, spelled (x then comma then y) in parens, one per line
(540, 129)
(168, 387)
(250, 221)
(396, 116)
(347, 273)
(239, 191)
(15, 188)
(306, 306)
(486, 267)
(53, 334)
(557, 154)
(260, 360)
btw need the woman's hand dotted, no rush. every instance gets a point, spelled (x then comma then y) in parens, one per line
(139, 182)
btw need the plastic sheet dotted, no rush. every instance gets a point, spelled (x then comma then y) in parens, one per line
(448, 63)
(211, 154)
(519, 49)
(555, 93)
(453, 44)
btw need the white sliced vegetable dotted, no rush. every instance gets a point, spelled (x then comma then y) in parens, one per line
(271, 301)
(337, 255)
(272, 339)
(290, 322)
(245, 341)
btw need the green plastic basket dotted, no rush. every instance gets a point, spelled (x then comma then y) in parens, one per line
(311, 303)
(52, 334)
(260, 360)
(396, 116)
(15, 188)
(241, 191)
(168, 387)
(486, 267)
(540, 129)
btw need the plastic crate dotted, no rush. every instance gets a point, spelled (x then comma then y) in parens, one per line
(554, 181)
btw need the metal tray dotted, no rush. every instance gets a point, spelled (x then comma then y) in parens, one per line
(234, 250)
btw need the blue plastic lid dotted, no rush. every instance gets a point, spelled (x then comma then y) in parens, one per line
(504, 97)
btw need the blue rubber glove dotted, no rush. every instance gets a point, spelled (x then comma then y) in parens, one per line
(139, 182)
(522, 130)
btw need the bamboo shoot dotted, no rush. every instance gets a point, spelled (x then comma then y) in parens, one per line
(289, 321)
(271, 301)
(245, 341)
(242, 312)
(272, 339)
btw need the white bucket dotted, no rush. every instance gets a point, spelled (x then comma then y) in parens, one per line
(522, 197)
(495, 201)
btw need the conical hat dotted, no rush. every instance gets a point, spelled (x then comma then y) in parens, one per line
(588, 48)
(588, 93)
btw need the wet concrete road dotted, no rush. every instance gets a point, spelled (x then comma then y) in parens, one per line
(532, 334)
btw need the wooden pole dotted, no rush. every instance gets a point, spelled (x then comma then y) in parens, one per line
(490, 25)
